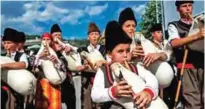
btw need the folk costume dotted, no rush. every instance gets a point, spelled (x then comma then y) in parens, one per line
(193, 78)
(88, 77)
(48, 96)
(10, 98)
(103, 81)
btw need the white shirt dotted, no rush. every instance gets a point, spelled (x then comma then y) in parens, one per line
(91, 47)
(173, 33)
(166, 48)
(101, 94)
(23, 58)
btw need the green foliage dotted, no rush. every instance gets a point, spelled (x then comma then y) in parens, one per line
(150, 17)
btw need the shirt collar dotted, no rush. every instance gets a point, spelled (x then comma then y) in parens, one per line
(91, 47)
(13, 54)
(186, 21)
(158, 44)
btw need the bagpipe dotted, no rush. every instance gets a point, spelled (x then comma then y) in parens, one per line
(197, 23)
(51, 70)
(94, 59)
(20, 80)
(161, 69)
(137, 85)
(72, 57)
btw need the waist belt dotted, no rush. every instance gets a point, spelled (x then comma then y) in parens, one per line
(76, 74)
(187, 66)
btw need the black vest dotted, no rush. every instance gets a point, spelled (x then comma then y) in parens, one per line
(101, 49)
(194, 57)
(108, 78)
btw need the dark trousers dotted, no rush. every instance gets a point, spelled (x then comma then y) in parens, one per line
(68, 94)
(192, 89)
(4, 98)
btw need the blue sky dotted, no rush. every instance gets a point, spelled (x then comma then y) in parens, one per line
(72, 16)
(170, 13)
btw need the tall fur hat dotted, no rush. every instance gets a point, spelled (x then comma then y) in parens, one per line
(21, 37)
(179, 2)
(55, 28)
(126, 14)
(93, 28)
(10, 35)
(114, 35)
(156, 27)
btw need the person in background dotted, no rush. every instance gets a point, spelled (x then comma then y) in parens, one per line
(165, 53)
(21, 41)
(128, 23)
(48, 96)
(193, 78)
(68, 98)
(10, 43)
(87, 77)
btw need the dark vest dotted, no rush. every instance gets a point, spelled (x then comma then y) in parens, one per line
(101, 49)
(194, 57)
(108, 78)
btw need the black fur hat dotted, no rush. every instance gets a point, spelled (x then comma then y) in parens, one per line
(156, 27)
(179, 2)
(126, 14)
(114, 35)
(55, 28)
(21, 37)
(10, 35)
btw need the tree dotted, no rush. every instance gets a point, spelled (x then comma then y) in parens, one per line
(150, 17)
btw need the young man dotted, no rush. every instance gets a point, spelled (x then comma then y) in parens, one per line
(164, 54)
(20, 48)
(10, 43)
(67, 87)
(48, 96)
(21, 41)
(193, 78)
(128, 23)
(163, 47)
(87, 77)
(119, 51)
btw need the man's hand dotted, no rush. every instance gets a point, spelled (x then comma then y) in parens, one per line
(98, 64)
(67, 49)
(123, 89)
(150, 58)
(142, 99)
(81, 68)
(59, 47)
(137, 51)
(201, 33)
(53, 59)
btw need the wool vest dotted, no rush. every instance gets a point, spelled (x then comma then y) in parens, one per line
(109, 80)
(194, 57)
